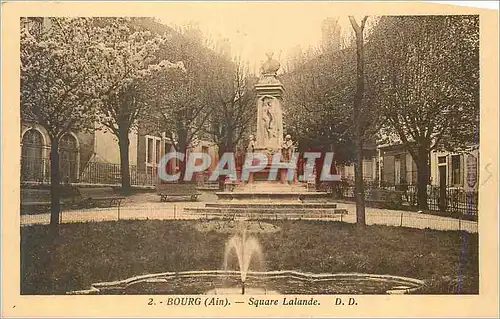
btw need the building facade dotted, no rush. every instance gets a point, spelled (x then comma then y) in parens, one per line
(370, 168)
(94, 157)
(451, 169)
(396, 165)
(75, 150)
(457, 170)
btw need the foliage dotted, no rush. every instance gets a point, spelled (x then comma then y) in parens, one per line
(233, 103)
(127, 55)
(179, 99)
(58, 83)
(58, 74)
(319, 108)
(319, 102)
(75, 71)
(423, 73)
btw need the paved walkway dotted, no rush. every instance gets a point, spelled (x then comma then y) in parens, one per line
(409, 219)
(148, 206)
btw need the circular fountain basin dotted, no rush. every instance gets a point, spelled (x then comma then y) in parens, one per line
(272, 282)
(238, 290)
(229, 227)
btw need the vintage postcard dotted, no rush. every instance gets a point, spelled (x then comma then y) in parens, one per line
(249, 159)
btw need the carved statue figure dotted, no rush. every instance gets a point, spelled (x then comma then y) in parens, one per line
(251, 144)
(287, 148)
(268, 117)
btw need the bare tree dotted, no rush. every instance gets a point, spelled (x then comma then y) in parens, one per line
(180, 100)
(318, 94)
(232, 104)
(358, 121)
(424, 75)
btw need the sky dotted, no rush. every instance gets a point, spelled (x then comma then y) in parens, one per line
(254, 29)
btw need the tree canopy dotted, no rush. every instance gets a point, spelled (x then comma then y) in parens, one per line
(320, 97)
(58, 74)
(423, 74)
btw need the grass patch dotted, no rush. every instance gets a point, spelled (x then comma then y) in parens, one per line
(86, 253)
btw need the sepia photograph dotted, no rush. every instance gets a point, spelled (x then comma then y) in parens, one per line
(274, 154)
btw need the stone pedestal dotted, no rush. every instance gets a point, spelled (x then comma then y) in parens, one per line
(269, 91)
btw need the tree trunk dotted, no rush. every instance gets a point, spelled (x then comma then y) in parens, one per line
(358, 131)
(124, 143)
(221, 178)
(225, 147)
(359, 189)
(319, 166)
(422, 163)
(183, 145)
(55, 205)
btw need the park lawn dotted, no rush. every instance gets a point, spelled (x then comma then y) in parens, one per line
(87, 253)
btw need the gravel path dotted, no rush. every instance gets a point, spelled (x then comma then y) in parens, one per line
(148, 206)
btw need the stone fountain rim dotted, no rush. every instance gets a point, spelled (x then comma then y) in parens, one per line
(271, 192)
(122, 284)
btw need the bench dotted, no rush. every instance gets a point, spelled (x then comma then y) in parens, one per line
(99, 196)
(177, 190)
(35, 201)
(383, 198)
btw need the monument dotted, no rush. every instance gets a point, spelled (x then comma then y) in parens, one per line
(269, 123)
(261, 195)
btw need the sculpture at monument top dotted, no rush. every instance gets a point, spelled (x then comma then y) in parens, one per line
(271, 66)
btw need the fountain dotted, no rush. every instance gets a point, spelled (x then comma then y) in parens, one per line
(245, 248)
(243, 255)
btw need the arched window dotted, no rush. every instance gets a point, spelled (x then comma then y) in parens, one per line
(68, 158)
(32, 161)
